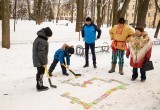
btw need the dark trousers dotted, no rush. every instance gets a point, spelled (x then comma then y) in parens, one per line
(39, 75)
(92, 47)
(53, 65)
(135, 73)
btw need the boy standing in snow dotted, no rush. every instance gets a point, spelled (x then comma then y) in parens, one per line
(120, 34)
(140, 48)
(89, 35)
(65, 52)
(40, 55)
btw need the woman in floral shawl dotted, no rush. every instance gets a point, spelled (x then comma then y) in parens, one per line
(140, 48)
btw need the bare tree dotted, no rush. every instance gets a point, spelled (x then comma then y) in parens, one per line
(79, 20)
(5, 24)
(155, 16)
(104, 10)
(135, 14)
(29, 10)
(115, 10)
(72, 10)
(0, 10)
(39, 6)
(142, 12)
(99, 13)
(122, 11)
(108, 13)
(58, 11)
(158, 27)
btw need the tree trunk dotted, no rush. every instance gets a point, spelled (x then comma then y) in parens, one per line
(85, 8)
(92, 9)
(0, 10)
(155, 16)
(115, 10)
(158, 7)
(29, 11)
(142, 12)
(5, 24)
(99, 13)
(122, 12)
(103, 11)
(72, 12)
(157, 30)
(58, 11)
(108, 13)
(79, 20)
(15, 14)
(135, 14)
(39, 6)
(35, 11)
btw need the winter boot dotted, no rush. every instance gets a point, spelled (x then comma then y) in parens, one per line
(112, 68)
(95, 66)
(133, 79)
(39, 85)
(86, 65)
(121, 70)
(66, 74)
(142, 80)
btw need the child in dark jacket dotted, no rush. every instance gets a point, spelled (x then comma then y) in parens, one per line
(40, 55)
(65, 52)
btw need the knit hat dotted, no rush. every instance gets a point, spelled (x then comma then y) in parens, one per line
(48, 31)
(121, 21)
(71, 50)
(88, 19)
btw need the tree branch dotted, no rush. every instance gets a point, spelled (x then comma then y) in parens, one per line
(158, 7)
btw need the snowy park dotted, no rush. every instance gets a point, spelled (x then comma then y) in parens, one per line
(79, 54)
(96, 89)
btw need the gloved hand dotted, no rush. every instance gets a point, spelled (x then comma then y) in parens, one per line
(44, 66)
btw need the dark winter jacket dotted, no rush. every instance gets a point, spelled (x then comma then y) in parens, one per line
(62, 53)
(40, 49)
(89, 33)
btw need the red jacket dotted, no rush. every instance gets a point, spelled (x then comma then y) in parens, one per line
(140, 63)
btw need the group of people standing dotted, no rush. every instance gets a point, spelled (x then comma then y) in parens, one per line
(139, 48)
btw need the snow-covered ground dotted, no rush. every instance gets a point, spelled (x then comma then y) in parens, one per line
(17, 75)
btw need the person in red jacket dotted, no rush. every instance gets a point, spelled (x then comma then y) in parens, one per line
(139, 48)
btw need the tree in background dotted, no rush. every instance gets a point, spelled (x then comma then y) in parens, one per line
(142, 12)
(58, 11)
(79, 20)
(99, 19)
(0, 10)
(5, 24)
(158, 27)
